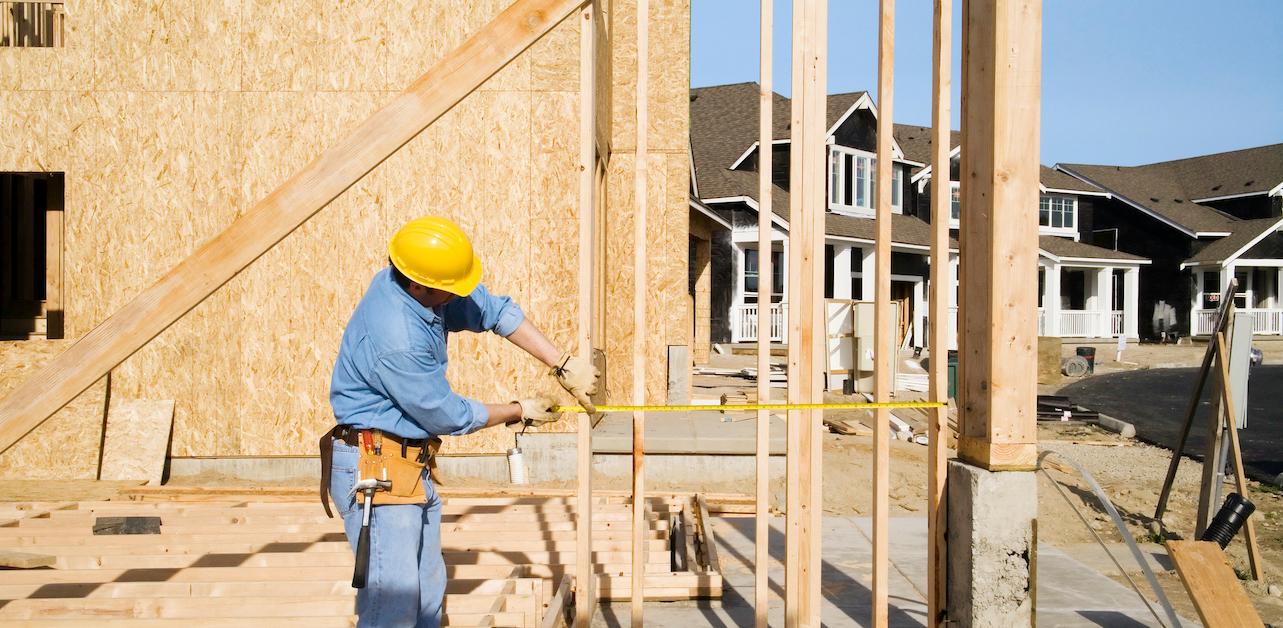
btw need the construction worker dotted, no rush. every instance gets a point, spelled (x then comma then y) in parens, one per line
(391, 399)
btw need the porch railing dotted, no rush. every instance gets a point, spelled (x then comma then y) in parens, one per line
(1083, 324)
(744, 322)
(1264, 321)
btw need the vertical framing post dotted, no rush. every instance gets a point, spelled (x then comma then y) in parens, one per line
(762, 560)
(939, 317)
(884, 346)
(806, 287)
(1000, 233)
(639, 314)
(585, 597)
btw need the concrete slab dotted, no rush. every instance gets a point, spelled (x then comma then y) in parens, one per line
(688, 433)
(1069, 592)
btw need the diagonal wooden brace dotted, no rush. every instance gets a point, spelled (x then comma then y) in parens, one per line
(274, 217)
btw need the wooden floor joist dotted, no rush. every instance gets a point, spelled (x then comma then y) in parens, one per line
(284, 562)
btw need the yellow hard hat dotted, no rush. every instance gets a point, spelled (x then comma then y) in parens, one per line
(436, 253)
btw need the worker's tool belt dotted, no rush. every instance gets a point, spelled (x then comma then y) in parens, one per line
(381, 455)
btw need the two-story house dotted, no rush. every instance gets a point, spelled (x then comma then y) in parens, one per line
(1202, 220)
(1087, 290)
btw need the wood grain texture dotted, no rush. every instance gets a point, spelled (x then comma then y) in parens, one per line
(806, 329)
(641, 236)
(761, 518)
(1001, 81)
(937, 426)
(884, 351)
(136, 443)
(587, 217)
(276, 216)
(75, 428)
(1212, 585)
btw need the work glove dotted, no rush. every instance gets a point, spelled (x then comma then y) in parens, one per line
(579, 377)
(537, 412)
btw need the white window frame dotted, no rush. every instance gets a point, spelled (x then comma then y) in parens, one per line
(776, 268)
(866, 162)
(955, 204)
(1068, 231)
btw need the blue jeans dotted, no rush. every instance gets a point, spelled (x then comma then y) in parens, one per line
(406, 579)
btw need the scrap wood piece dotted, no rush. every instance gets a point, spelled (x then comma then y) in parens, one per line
(136, 442)
(272, 219)
(1212, 585)
(24, 560)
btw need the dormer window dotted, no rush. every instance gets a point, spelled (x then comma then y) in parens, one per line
(1058, 214)
(853, 182)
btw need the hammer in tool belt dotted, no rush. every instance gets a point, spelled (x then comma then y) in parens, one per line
(368, 486)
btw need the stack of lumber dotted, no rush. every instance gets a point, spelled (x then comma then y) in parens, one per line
(227, 559)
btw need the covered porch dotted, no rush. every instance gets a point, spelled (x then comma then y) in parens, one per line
(1257, 294)
(1081, 298)
(1252, 254)
(849, 275)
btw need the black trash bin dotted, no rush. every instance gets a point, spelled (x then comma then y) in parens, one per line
(1089, 354)
(953, 374)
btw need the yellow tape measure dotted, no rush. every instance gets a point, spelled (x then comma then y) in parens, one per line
(745, 407)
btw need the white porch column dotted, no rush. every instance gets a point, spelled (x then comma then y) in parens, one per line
(1051, 306)
(919, 313)
(1196, 299)
(1131, 302)
(1105, 302)
(841, 271)
(1227, 273)
(784, 304)
(867, 285)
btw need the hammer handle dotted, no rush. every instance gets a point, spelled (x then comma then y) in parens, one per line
(362, 559)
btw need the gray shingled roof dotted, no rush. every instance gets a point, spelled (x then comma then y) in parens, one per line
(1158, 190)
(916, 141)
(1244, 231)
(1064, 247)
(1057, 180)
(1251, 170)
(724, 125)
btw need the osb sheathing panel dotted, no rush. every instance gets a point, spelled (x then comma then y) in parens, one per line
(65, 446)
(197, 110)
(668, 72)
(667, 310)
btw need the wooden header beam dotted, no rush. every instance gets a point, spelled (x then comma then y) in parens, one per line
(276, 216)
(1000, 233)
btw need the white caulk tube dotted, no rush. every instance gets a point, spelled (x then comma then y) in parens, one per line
(516, 466)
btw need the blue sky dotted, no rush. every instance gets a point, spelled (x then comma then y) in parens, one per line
(1124, 81)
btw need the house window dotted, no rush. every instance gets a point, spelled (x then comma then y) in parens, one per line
(1057, 212)
(751, 275)
(31, 255)
(1211, 289)
(955, 203)
(31, 24)
(853, 185)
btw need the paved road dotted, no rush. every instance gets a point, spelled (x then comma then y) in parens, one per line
(1154, 401)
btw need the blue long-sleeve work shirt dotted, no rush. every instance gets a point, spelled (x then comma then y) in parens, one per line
(391, 371)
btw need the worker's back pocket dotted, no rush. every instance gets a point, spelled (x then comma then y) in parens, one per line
(343, 478)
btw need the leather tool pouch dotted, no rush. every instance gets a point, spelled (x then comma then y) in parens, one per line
(404, 472)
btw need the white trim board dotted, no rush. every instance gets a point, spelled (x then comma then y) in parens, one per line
(1243, 249)
(1147, 211)
(704, 209)
(1230, 196)
(749, 151)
